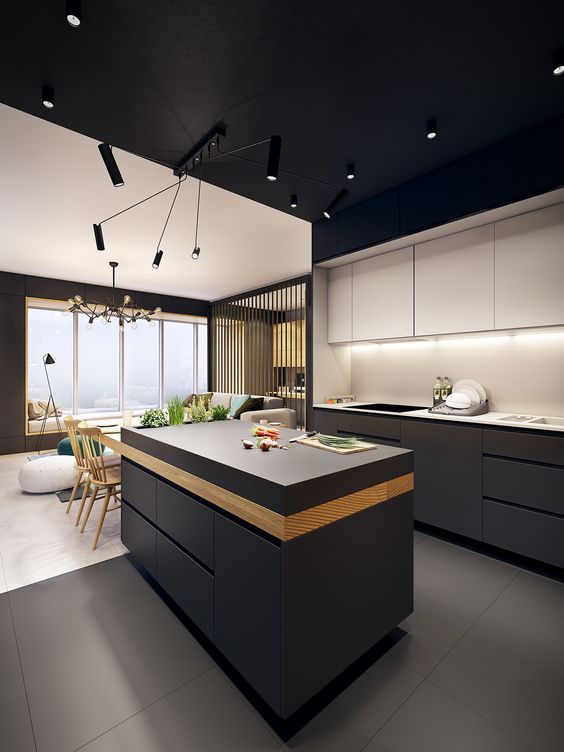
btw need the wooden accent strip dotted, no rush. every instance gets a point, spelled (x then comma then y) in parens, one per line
(277, 525)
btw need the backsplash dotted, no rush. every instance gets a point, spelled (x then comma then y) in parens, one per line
(521, 373)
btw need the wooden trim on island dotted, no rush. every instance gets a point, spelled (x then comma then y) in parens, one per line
(277, 525)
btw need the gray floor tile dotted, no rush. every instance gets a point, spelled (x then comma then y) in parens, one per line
(432, 721)
(95, 677)
(205, 715)
(458, 573)
(53, 608)
(356, 715)
(512, 678)
(533, 603)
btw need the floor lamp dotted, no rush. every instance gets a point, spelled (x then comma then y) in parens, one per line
(48, 361)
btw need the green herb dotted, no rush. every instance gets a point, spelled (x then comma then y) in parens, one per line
(219, 412)
(338, 442)
(197, 411)
(154, 418)
(175, 411)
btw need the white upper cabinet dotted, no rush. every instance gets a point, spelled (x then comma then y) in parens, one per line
(339, 304)
(454, 283)
(383, 296)
(529, 269)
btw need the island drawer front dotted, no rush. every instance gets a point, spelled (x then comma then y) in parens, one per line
(524, 446)
(139, 536)
(139, 489)
(187, 583)
(370, 425)
(524, 483)
(523, 531)
(187, 521)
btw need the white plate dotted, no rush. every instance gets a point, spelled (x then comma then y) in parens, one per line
(475, 385)
(469, 392)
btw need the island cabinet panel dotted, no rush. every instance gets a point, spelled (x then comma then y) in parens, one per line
(325, 421)
(448, 475)
(139, 489)
(247, 606)
(189, 522)
(140, 537)
(187, 583)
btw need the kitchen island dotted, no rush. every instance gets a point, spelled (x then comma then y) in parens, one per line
(292, 563)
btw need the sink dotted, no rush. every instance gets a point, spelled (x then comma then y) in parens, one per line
(517, 418)
(548, 421)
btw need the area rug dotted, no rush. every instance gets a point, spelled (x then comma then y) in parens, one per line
(65, 495)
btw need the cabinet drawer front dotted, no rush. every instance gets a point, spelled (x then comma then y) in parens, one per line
(325, 421)
(534, 534)
(522, 483)
(139, 537)
(187, 521)
(187, 583)
(524, 446)
(139, 489)
(369, 425)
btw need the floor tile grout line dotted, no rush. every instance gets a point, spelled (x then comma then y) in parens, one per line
(527, 632)
(143, 709)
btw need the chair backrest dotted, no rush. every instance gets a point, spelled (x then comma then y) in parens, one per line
(93, 452)
(72, 425)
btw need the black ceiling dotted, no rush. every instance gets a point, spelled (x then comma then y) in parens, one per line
(339, 81)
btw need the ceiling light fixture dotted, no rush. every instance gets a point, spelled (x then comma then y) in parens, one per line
(196, 253)
(343, 193)
(48, 97)
(157, 259)
(125, 312)
(111, 165)
(273, 158)
(293, 201)
(159, 253)
(74, 14)
(431, 129)
(558, 64)
(99, 237)
(350, 171)
(196, 250)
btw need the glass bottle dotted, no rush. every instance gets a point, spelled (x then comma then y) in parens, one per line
(437, 388)
(446, 388)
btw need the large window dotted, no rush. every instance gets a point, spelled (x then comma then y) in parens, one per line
(105, 369)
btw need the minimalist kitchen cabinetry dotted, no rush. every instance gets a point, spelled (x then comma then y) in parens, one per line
(454, 283)
(382, 296)
(339, 304)
(529, 269)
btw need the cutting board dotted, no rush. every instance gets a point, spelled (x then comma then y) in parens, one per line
(362, 446)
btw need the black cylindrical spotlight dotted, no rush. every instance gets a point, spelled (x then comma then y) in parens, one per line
(431, 129)
(196, 253)
(111, 164)
(293, 200)
(48, 97)
(74, 14)
(157, 259)
(99, 237)
(273, 158)
(558, 64)
(350, 171)
(343, 193)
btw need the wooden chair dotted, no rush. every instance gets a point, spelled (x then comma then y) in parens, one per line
(101, 478)
(82, 469)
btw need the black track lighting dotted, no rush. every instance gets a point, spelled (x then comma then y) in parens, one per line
(350, 171)
(558, 64)
(343, 193)
(99, 237)
(48, 97)
(431, 129)
(196, 253)
(74, 15)
(293, 201)
(111, 164)
(273, 158)
(157, 259)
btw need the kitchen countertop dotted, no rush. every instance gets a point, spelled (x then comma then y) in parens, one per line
(488, 419)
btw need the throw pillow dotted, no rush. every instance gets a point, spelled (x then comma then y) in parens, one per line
(34, 411)
(238, 404)
(53, 411)
(206, 395)
(252, 404)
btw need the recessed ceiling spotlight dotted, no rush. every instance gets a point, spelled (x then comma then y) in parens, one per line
(293, 200)
(111, 165)
(558, 65)
(157, 259)
(338, 198)
(48, 97)
(431, 129)
(273, 158)
(350, 171)
(74, 15)
(99, 237)
(196, 253)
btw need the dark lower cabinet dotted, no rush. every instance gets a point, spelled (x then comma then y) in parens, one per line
(448, 475)
(186, 520)
(139, 489)
(140, 537)
(325, 421)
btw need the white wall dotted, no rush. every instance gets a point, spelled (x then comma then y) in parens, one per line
(521, 373)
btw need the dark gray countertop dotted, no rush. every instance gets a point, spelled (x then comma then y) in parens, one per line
(284, 481)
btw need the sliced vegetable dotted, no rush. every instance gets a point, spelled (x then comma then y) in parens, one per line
(338, 442)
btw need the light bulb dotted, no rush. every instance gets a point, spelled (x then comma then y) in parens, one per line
(158, 309)
(89, 325)
(151, 323)
(78, 299)
(126, 299)
(134, 324)
(65, 312)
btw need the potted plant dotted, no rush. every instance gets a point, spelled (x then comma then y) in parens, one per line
(219, 412)
(198, 412)
(154, 418)
(175, 410)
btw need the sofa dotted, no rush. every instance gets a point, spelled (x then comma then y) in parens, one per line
(273, 409)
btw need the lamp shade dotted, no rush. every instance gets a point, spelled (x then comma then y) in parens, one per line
(48, 360)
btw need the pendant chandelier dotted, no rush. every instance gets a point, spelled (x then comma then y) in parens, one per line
(125, 312)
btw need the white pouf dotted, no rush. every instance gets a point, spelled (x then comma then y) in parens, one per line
(47, 474)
